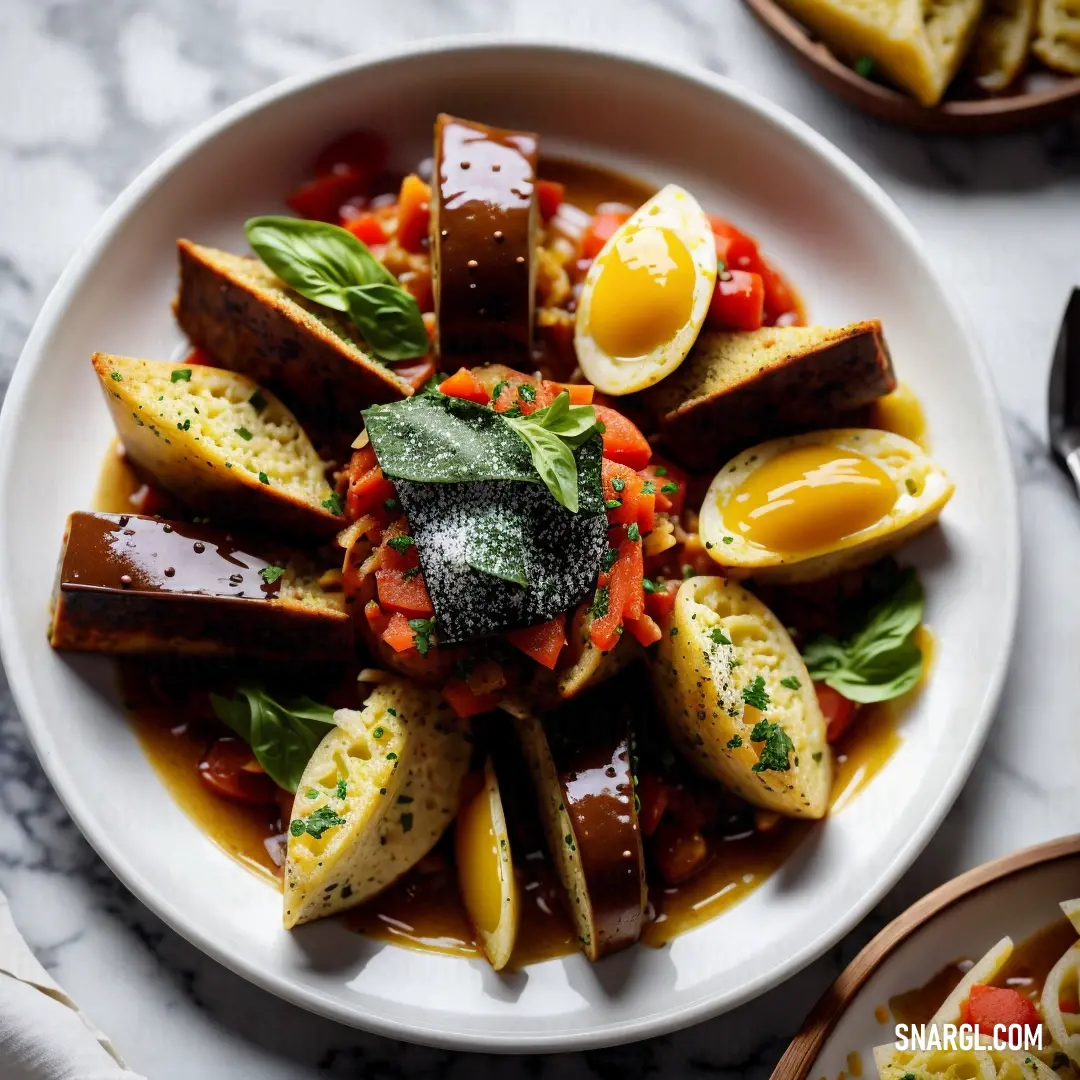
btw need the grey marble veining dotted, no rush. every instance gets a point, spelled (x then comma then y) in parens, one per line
(94, 89)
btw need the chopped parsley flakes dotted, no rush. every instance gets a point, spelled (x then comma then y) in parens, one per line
(181, 375)
(778, 745)
(335, 504)
(791, 682)
(257, 401)
(342, 788)
(270, 574)
(719, 637)
(401, 544)
(669, 488)
(734, 742)
(600, 603)
(422, 628)
(263, 478)
(244, 433)
(756, 695)
(617, 483)
(633, 533)
(317, 823)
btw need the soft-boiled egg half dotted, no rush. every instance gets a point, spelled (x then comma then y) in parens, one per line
(646, 294)
(803, 507)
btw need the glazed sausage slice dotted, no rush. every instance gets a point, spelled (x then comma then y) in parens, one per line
(131, 584)
(483, 220)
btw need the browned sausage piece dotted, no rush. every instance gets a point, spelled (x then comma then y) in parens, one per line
(132, 584)
(579, 758)
(736, 389)
(483, 228)
(248, 321)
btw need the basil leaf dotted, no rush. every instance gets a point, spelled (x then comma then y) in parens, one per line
(390, 320)
(881, 660)
(317, 260)
(282, 735)
(553, 459)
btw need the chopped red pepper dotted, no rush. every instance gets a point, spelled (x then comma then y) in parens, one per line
(399, 634)
(549, 197)
(543, 642)
(653, 795)
(465, 703)
(625, 596)
(404, 591)
(601, 229)
(644, 630)
(627, 488)
(734, 248)
(838, 711)
(368, 489)
(414, 213)
(367, 228)
(463, 384)
(623, 442)
(229, 769)
(738, 302)
(670, 484)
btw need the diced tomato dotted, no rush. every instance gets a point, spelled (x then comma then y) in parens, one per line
(355, 150)
(580, 393)
(625, 593)
(660, 603)
(665, 475)
(229, 769)
(779, 299)
(463, 384)
(368, 488)
(601, 229)
(623, 442)
(322, 199)
(738, 303)
(465, 703)
(990, 1006)
(653, 795)
(368, 228)
(537, 396)
(645, 630)
(399, 634)
(543, 642)
(838, 711)
(549, 197)
(621, 484)
(404, 591)
(734, 248)
(414, 213)
(199, 358)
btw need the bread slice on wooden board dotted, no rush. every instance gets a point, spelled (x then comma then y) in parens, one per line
(248, 321)
(1057, 43)
(133, 584)
(738, 388)
(1001, 43)
(225, 447)
(916, 45)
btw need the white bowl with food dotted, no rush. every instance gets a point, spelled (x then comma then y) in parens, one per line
(439, 708)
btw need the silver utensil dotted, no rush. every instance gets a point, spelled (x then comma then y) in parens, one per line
(1064, 399)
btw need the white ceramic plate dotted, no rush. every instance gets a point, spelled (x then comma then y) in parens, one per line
(851, 252)
(1015, 895)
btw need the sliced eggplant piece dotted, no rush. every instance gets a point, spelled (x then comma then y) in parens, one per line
(379, 791)
(246, 318)
(579, 758)
(485, 868)
(131, 584)
(218, 442)
(740, 388)
(484, 220)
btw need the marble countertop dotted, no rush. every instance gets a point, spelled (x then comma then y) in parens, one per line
(93, 92)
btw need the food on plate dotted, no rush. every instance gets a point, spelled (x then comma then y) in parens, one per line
(484, 217)
(242, 314)
(737, 699)
(773, 381)
(378, 792)
(485, 402)
(485, 865)
(224, 446)
(1000, 47)
(807, 506)
(1005, 997)
(131, 584)
(646, 294)
(580, 765)
(918, 50)
(1057, 41)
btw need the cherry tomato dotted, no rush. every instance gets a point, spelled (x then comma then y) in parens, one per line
(839, 712)
(229, 769)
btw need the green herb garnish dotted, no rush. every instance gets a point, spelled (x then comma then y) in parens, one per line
(756, 695)
(316, 823)
(342, 788)
(335, 504)
(422, 628)
(181, 375)
(257, 401)
(719, 637)
(244, 433)
(270, 574)
(633, 532)
(791, 682)
(401, 544)
(734, 742)
(669, 488)
(778, 745)
(263, 478)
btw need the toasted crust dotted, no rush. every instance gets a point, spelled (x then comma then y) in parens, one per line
(214, 603)
(736, 389)
(1001, 43)
(200, 438)
(1058, 42)
(243, 316)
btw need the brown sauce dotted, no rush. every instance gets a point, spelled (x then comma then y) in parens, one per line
(1025, 971)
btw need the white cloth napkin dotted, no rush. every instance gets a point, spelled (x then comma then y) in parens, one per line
(43, 1035)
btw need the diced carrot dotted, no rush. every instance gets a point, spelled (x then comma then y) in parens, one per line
(838, 711)
(601, 229)
(988, 1007)
(398, 634)
(404, 591)
(367, 228)
(580, 393)
(464, 702)
(624, 486)
(549, 197)
(375, 618)
(368, 488)
(653, 795)
(463, 384)
(414, 213)
(623, 442)
(660, 603)
(665, 478)
(543, 642)
(625, 592)
(645, 630)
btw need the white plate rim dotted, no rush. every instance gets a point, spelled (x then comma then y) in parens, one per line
(663, 1021)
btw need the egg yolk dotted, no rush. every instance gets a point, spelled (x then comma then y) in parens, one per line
(644, 293)
(808, 498)
(479, 866)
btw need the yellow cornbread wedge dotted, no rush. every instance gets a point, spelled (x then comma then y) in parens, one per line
(1057, 43)
(379, 791)
(1001, 43)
